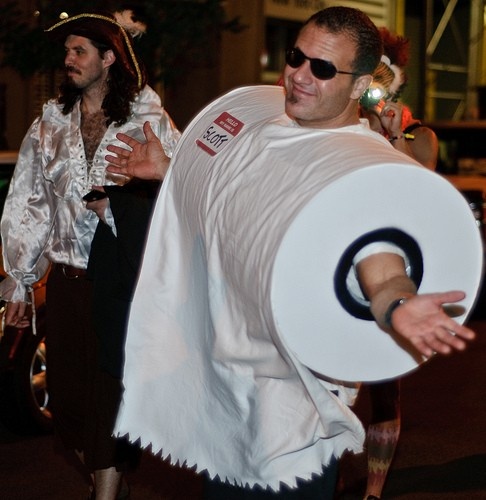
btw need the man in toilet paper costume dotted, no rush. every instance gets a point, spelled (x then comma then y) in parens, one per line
(213, 377)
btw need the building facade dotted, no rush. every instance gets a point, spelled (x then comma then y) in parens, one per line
(437, 89)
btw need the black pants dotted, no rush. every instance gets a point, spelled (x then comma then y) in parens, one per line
(319, 488)
(83, 398)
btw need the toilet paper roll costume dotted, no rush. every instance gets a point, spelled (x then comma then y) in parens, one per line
(244, 312)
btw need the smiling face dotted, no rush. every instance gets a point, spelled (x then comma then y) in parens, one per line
(318, 103)
(85, 67)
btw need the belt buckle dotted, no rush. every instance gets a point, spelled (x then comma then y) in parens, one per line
(67, 275)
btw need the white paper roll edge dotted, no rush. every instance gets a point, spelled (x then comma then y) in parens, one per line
(309, 316)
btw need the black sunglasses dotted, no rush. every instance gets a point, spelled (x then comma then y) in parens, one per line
(321, 69)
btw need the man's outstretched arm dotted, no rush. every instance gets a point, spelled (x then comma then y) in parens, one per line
(420, 319)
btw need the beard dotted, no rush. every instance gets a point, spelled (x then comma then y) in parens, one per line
(69, 80)
(290, 97)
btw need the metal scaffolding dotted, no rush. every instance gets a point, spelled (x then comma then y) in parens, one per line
(453, 58)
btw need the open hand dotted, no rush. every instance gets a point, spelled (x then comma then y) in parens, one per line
(424, 322)
(143, 160)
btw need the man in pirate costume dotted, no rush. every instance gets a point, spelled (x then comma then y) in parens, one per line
(46, 224)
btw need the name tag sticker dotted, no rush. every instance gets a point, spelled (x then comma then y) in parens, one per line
(220, 133)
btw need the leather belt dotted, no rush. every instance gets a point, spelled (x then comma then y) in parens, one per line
(71, 272)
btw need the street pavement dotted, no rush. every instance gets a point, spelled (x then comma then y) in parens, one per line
(441, 454)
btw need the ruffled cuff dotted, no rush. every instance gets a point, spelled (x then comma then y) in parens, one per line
(14, 291)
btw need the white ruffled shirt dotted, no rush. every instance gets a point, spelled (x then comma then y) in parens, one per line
(45, 219)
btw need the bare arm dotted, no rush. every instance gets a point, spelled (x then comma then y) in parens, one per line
(143, 160)
(421, 319)
(424, 148)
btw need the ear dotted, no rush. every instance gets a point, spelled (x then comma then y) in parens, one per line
(108, 58)
(361, 84)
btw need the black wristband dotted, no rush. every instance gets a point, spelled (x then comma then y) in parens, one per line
(387, 318)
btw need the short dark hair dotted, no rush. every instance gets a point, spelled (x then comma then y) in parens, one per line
(360, 28)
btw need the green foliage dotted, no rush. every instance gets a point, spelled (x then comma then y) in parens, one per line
(182, 34)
